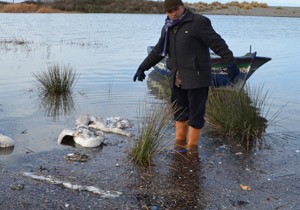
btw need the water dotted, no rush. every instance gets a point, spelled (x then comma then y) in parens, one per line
(105, 50)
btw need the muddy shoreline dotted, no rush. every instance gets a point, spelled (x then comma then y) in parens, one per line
(210, 179)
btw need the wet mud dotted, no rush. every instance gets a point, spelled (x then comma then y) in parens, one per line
(219, 175)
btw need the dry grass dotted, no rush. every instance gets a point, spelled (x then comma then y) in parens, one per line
(202, 7)
(26, 8)
(247, 5)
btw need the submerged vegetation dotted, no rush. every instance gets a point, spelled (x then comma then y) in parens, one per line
(14, 43)
(56, 80)
(114, 6)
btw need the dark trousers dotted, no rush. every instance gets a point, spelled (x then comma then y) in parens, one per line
(190, 105)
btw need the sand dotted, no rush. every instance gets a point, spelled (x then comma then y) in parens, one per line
(270, 11)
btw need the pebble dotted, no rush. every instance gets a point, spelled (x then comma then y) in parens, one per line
(17, 186)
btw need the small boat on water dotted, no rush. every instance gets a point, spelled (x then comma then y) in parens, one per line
(247, 63)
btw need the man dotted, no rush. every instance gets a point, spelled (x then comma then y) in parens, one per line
(186, 38)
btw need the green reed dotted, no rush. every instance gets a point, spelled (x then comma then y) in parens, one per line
(237, 114)
(57, 79)
(151, 133)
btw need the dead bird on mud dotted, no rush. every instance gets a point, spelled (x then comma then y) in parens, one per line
(89, 130)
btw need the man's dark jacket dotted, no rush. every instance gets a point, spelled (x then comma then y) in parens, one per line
(188, 51)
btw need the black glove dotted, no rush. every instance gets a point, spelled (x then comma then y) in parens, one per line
(233, 71)
(140, 75)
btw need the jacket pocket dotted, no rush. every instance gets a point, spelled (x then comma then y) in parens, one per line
(171, 63)
(202, 66)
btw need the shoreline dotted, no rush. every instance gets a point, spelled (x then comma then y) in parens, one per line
(212, 9)
(264, 12)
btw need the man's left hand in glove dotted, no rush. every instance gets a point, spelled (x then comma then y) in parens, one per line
(140, 75)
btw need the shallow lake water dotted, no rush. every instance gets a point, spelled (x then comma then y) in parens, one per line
(105, 50)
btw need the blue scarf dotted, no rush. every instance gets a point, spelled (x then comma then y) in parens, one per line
(169, 24)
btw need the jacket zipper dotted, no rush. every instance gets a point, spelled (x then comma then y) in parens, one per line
(175, 29)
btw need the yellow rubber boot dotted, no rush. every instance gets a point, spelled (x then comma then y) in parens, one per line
(193, 137)
(181, 133)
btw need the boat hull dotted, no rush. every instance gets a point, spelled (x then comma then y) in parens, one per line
(248, 64)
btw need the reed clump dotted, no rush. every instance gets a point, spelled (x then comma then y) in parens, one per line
(152, 129)
(57, 80)
(237, 114)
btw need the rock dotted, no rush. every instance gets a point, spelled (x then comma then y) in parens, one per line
(6, 141)
(17, 186)
(77, 157)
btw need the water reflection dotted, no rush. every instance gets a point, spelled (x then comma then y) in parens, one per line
(57, 105)
(6, 150)
(185, 177)
(158, 85)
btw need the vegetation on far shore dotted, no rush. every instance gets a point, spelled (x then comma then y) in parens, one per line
(114, 6)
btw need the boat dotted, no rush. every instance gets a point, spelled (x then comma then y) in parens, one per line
(247, 63)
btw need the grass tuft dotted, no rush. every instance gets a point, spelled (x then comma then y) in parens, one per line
(57, 80)
(151, 132)
(237, 114)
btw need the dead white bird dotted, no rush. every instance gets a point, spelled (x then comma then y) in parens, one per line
(89, 130)
(110, 125)
(82, 135)
(6, 141)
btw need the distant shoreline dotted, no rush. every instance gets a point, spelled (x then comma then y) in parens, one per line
(267, 12)
(152, 7)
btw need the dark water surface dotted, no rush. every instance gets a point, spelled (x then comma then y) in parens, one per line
(105, 50)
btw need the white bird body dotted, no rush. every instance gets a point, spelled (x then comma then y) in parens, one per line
(82, 136)
(87, 137)
(6, 141)
(111, 125)
(89, 130)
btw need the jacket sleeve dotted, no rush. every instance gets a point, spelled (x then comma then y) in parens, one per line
(214, 41)
(154, 56)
